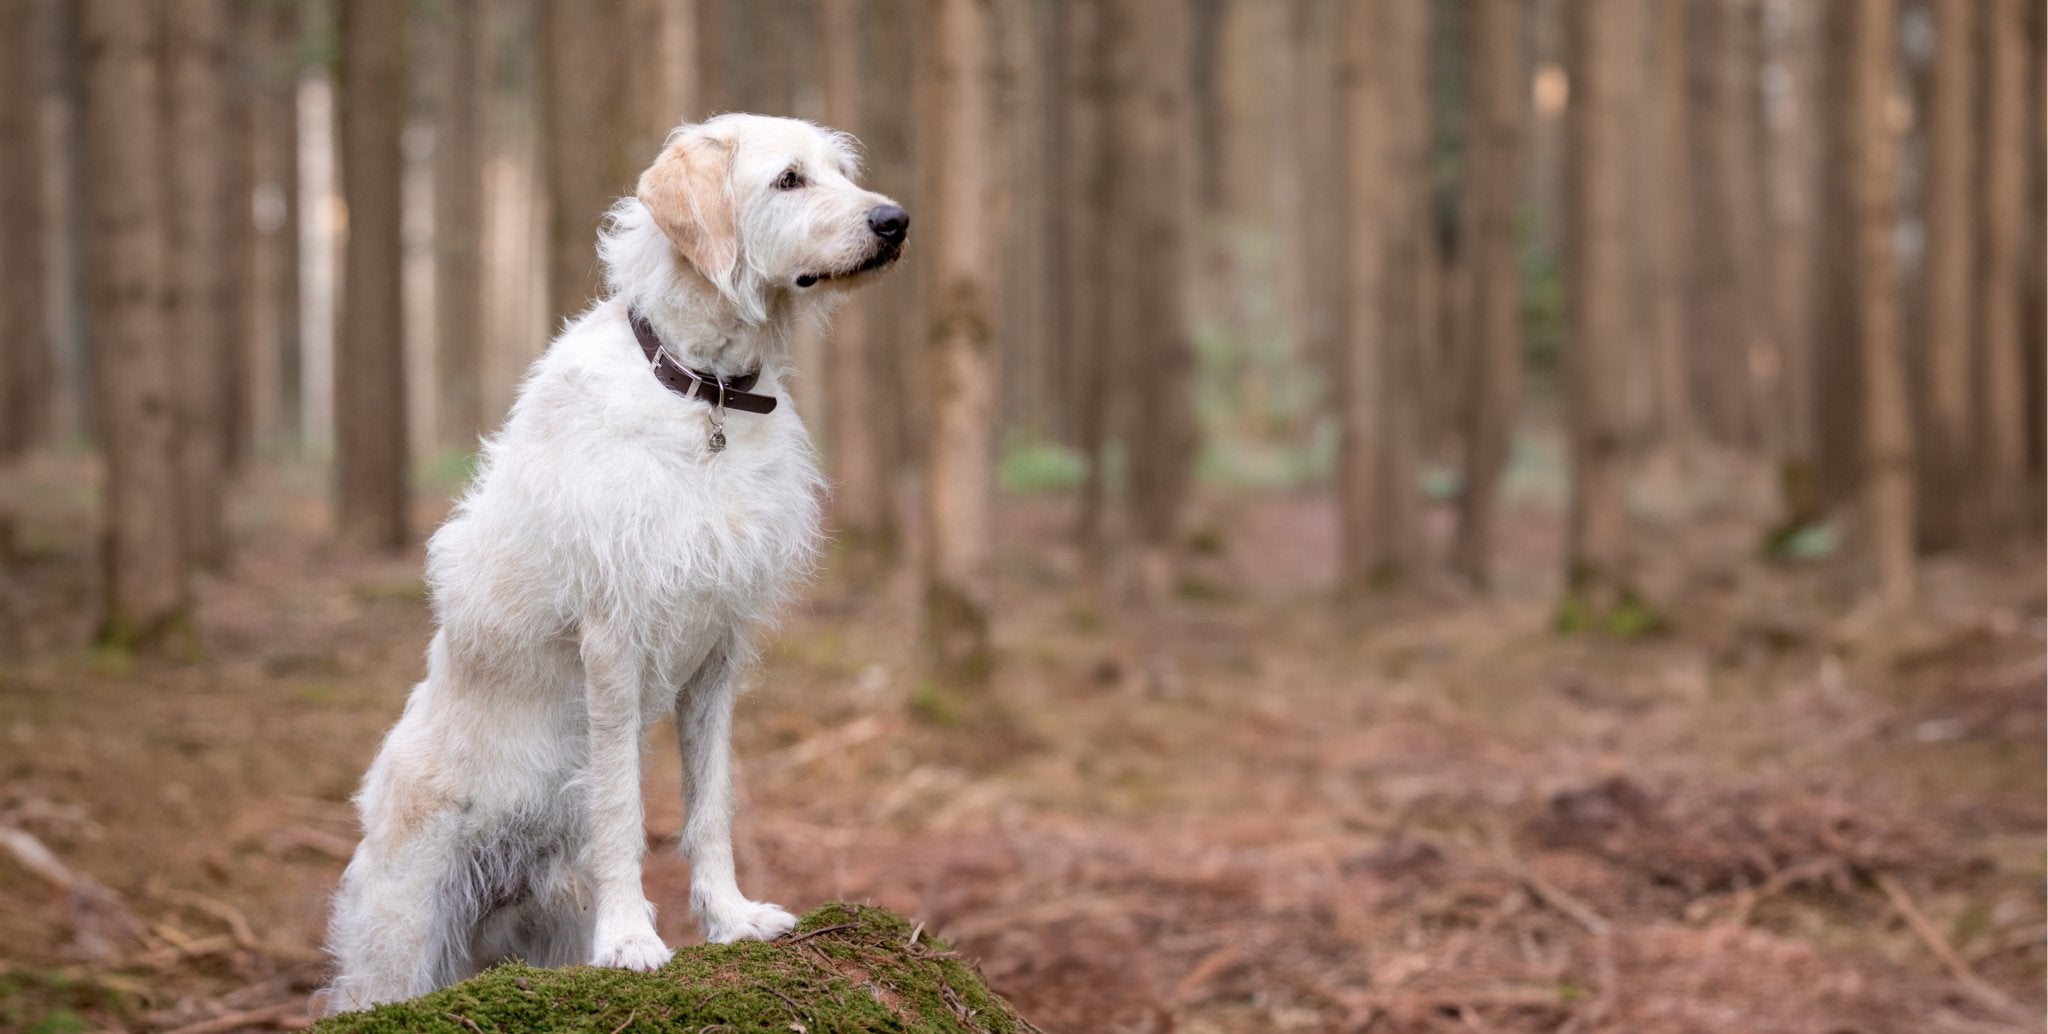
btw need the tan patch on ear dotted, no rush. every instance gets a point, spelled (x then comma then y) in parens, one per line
(685, 191)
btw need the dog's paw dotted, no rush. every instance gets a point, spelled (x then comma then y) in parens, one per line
(747, 921)
(642, 951)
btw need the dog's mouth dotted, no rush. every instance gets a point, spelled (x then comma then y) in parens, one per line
(884, 256)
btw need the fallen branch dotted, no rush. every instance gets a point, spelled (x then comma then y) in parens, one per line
(283, 1014)
(1986, 995)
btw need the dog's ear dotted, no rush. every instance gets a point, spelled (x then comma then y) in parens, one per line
(688, 191)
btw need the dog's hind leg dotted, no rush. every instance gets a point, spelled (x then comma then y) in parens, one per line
(623, 925)
(400, 923)
(704, 734)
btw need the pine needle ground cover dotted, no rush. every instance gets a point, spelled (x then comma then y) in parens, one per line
(846, 968)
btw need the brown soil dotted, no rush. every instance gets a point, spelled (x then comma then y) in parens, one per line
(1247, 812)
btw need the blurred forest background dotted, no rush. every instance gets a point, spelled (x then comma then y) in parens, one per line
(1523, 514)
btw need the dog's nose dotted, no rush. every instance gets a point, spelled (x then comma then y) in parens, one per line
(889, 223)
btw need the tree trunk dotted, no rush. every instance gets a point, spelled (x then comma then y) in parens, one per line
(201, 314)
(1160, 364)
(585, 145)
(1604, 36)
(271, 296)
(1723, 240)
(369, 368)
(1493, 387)
(1792, 149)
(1946, 449)
(27, 365)
(956, 98)
(1668, 196)
(458, 228)
(126, 282)
(2034, 261)
(664, 93)
(1887, 422)
(1836, 336)
(1087, 190)
(1379, 101)
(863, 513)
(2001, 198)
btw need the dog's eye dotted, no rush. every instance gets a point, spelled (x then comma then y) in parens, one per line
(789, 180)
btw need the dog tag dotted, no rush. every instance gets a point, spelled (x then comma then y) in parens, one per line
(718, 439)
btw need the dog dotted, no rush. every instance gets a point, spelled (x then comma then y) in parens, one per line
(649, 500)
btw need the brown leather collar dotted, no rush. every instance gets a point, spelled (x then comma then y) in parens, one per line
(696, 384)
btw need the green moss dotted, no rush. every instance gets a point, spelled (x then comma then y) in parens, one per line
(847, 968)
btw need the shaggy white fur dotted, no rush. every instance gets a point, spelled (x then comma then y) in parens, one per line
(605, 569)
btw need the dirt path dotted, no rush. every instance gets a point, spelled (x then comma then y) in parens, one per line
(1247, 814)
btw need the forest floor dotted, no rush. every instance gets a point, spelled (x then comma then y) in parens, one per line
(1251, 811)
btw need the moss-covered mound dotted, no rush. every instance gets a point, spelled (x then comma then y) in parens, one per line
(845, 968)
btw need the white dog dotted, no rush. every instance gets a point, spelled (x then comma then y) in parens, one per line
(638, 513)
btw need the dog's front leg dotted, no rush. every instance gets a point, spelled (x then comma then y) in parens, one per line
(624, 934)
(704, 733)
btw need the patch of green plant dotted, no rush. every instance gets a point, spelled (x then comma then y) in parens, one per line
(1629, 618)
(1802, 543)
(933, 702)
(845, 969)
(446, 470)
(1031, 466)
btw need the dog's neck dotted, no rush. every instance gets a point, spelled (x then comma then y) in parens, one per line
(702, 331)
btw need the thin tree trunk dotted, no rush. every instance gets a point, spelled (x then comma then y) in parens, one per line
(27, 367)
(664, 94)
(458, 228)
(126, 284)
(1493, 387)
(1887, 422)
(369, 368)
(1794, 126)
(1365, 184)
(1087, 189)
(271, 297)
(863, 514)
(1836, 336)
(201, 314)
(2001, 197)
(2034, 262)
(1669, 231)
(587, 151)
(956, 97)
(1162, 360)
(1945, 452)
(1604, 36)
(1723, 247)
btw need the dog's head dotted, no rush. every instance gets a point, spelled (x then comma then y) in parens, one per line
(756, 204)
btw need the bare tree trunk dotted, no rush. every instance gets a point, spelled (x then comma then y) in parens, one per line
(1669, 231)
(1946, 447)
(1380, 184)
(665, 89)
(586, 149)
(459, 229)
(201, 313)
(27, 366)
(369, 368)
(863, 512)
(1837, 334)
(2001, 197)
(271, 294)
(1795, 124)
(126, 284)
(1887, 422)
(1604, 36)
(2034, 262)
(1162, 359)
(1723, 331)
(1086, 185)
(956, 96)
(1493, 387)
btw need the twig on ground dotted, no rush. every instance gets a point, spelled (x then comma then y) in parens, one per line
(279, 1015)
(807, 935)
(237, 922)
(796, 755)
(628, 1021)
(1559, 899)
(1206, 970)
(467, 1022)
(1986, 995)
